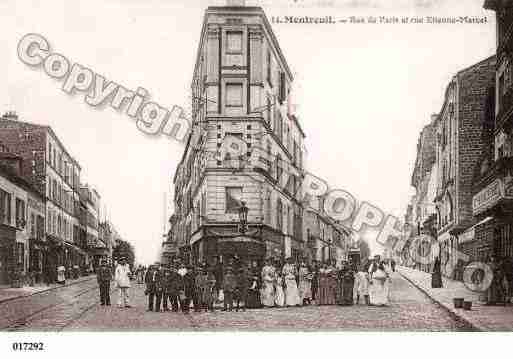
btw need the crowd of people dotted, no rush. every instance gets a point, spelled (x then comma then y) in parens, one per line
(240, 286)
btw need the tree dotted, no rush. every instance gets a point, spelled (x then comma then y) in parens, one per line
(124, 249)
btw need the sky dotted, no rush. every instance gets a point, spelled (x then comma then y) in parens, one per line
(363, 91)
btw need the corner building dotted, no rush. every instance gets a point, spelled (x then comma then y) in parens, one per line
(240, 88)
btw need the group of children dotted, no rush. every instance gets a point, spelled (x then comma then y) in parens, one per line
(182, 285)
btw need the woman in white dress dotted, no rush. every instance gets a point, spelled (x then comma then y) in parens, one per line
(378, 293)
(305, 284)
(388, 270)
(268, 279)
(279, 294)
(291, 291)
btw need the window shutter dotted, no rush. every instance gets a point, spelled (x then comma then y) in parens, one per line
(282, 88)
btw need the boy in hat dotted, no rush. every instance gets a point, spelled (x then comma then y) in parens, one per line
(241, 292)
(186, 288)
(104, 276)
(229, 286)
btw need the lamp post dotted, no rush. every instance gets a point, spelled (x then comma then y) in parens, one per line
(243, 217)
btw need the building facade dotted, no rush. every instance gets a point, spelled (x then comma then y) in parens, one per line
(450, 154)
(55, 174)
(424, 180)
(493, 188)
(326, 240)
(240, 90)
(96, 241)
(22, 223)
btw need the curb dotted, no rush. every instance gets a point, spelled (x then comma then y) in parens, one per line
(452, 312)
(46, 290)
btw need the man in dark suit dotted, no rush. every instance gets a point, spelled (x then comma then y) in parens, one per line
(104, 277)
(153, 282)
(171, 287)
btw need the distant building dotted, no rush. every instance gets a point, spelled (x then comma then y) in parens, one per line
(55, 174)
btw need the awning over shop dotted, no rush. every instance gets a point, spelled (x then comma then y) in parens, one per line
(469, 234)
(73, 247)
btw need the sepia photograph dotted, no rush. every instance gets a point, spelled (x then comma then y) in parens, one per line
(258, 166)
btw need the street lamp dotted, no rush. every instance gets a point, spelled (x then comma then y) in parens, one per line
(243, 217)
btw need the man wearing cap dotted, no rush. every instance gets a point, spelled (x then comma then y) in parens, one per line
(104, 276)
(186, 287)
(171, 287)
(122, 278)
(153, 287)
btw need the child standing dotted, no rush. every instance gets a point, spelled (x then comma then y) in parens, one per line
(229, 287)
(362, 286)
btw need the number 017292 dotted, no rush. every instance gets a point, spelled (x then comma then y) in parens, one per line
(18, 346)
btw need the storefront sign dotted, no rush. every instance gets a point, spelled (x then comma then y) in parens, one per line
(468, 235)
(488, 197)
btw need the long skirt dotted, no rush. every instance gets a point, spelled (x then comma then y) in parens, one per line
(378, 294)
(267, 294)
(253, 300)
(327, 291)
(436, 280)
(279, 297)
(291, 293)
(305, 290)
(345, 292)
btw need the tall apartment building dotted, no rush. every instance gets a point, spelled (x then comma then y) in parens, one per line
(458, 150)
(90, 200)
(54, 173)
(240, 89)
(493, 189)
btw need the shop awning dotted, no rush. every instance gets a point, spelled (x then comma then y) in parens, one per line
(79, 250)
(469, 234)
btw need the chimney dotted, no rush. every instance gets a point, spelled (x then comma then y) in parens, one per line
(434, 117)
(235, 3)
(10, 115)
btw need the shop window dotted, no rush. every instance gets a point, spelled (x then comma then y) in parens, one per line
(233, 198)
(234, 95)
(234, 42)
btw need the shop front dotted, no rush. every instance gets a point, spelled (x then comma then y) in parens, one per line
(7, 253)
(493, 208)
(38, 249)
(56, 256)
(225, 243)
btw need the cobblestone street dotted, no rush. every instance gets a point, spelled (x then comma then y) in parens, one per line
(76, 308)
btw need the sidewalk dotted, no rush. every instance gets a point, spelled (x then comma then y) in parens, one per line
(482, 317)
(7, 293)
